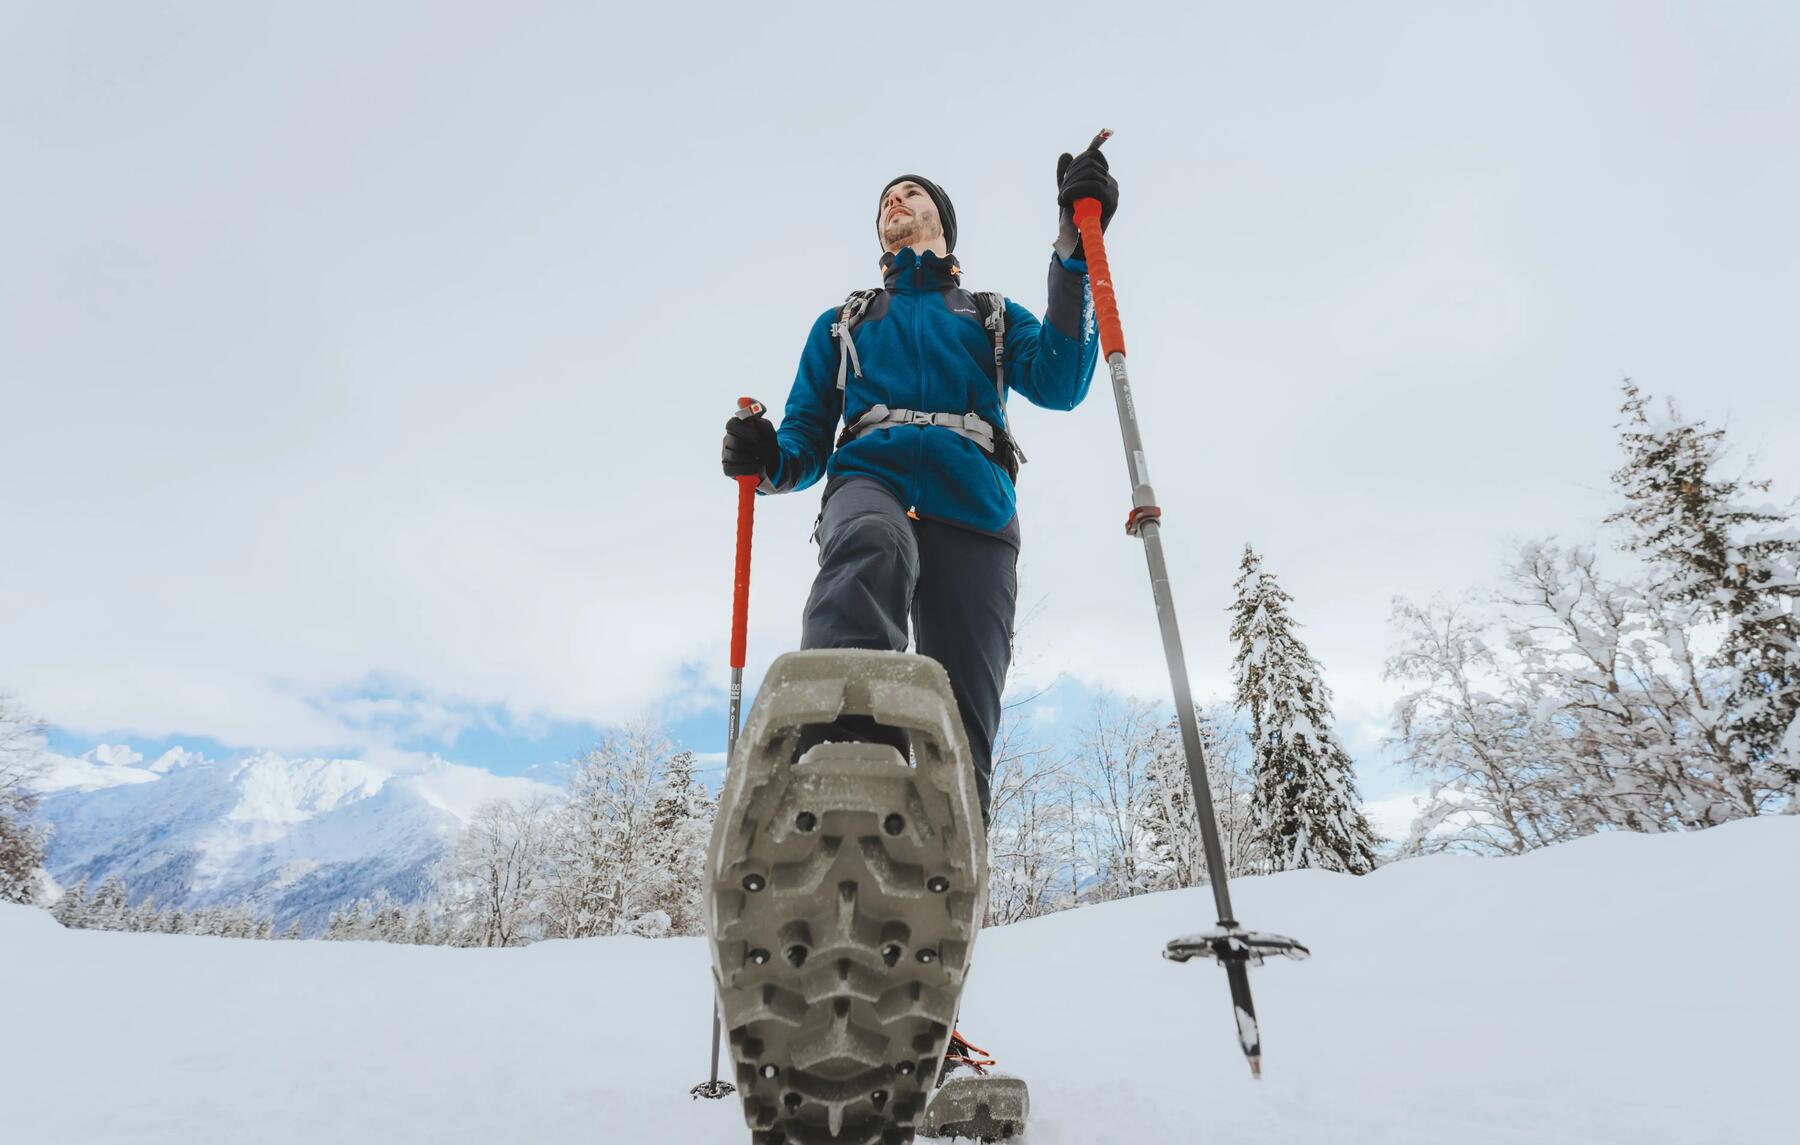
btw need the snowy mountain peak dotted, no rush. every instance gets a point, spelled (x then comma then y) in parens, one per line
(293, 836)
(274, 789)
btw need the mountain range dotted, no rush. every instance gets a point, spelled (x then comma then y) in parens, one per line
(293, 837)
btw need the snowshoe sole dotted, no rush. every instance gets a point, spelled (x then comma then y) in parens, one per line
(845, 893)
(986, 1108)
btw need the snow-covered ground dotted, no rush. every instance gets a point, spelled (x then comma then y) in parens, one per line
(1620, 989)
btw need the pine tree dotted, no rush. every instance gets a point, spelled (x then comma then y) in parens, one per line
(681, 818)
(71, 909)
(107, 911)
(1305, 805)
(22, 846)
(1736, 563)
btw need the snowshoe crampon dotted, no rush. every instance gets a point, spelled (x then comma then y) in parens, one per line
(988, 1107)
(845, 892)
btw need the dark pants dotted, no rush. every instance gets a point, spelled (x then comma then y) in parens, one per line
(878, 568)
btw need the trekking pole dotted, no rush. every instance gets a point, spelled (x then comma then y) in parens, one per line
(1230, 945)
(740, 615)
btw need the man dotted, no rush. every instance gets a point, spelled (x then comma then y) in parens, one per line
(919, 522)
(919, 532)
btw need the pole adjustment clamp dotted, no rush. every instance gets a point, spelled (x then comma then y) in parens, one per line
(1139, 515)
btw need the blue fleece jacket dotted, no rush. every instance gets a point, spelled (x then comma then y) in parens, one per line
(922, 347)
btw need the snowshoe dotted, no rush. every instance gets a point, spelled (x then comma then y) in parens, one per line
(983, 1105)
(845, 891)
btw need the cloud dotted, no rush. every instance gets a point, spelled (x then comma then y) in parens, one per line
(362, 408)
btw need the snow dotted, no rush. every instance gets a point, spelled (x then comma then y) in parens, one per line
(1578, 994)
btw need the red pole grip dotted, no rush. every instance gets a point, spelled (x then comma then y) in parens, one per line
(1106, 305)
(740, 581)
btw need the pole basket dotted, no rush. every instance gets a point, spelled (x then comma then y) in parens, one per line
(1228, 945)
(713, 1089)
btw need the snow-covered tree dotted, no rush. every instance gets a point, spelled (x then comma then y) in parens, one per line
(22, 844)
(1305, 802)
(1031, 832)
(1625, 715)
(1111, 771)
(681, 821)
(1498, 785)
(71, 909)
(1176, 857)
(1736, 562)
(603, 876)
(107, 909)
(497, 875)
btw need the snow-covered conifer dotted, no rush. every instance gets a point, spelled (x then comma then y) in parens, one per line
(71, 909)
(107, 910)
(1305, 802)
(22, 844)
(681, 819)
(1735, 560)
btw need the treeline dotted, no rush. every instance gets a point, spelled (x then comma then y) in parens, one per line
(107, 909)
(1648, 683)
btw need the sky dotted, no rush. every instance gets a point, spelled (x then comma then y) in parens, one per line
(363, 367)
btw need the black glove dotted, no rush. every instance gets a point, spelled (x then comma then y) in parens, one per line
(750, 448)
(1083, 176)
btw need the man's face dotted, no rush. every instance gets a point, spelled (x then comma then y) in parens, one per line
(908, 216)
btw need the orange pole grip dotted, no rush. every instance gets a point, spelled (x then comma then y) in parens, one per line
(1106, 304)
(740, 580)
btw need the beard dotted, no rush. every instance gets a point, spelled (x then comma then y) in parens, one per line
(910, 230)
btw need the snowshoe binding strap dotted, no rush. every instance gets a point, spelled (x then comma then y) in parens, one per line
(962, 1052)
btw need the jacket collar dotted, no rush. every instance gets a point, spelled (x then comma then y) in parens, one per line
(912, 271)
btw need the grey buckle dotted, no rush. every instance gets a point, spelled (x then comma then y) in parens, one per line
(920, 418)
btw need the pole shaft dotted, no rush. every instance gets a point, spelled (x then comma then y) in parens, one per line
(740, 623)
(1143, 502)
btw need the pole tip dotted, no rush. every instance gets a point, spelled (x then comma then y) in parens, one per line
(1256, 1067)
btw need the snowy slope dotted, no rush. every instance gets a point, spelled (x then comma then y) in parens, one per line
(293, 836)
(1627, 989)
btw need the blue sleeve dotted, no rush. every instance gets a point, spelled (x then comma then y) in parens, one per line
(809, 423)
(1052, 363)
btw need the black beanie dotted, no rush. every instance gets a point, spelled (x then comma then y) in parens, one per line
(946, 212)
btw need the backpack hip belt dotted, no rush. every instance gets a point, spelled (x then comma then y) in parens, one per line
(972, 426)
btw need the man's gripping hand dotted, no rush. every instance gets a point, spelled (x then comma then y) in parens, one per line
(1083, 176)
(750, 448)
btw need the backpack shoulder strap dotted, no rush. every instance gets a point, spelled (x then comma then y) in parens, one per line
(855, 306)
(992, 308)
